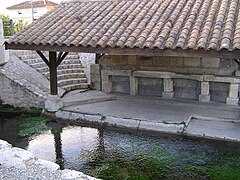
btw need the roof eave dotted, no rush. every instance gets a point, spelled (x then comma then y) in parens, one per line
(130, 51)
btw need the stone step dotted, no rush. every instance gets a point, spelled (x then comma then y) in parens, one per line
(36, 56)
(65, 82)
(69, 76)
(39, 61)
(65, 62)
(75, 86)
(65, 71)
(61, 67)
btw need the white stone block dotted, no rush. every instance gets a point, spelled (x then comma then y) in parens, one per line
(204, 98)
(167, 95)
(53, 103)
(133, 85)
(168, 85)
(47, 164)
(233, 90)
(211, 62)
(205, 88)
(232, 101)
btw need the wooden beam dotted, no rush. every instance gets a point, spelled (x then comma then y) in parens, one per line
(131, 51)
(53, 72)
(59, 55)
(61, 58)
(43, 58)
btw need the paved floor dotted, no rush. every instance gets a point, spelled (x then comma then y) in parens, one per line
(215, 120)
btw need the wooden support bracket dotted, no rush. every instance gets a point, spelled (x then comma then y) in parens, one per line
(43, 58)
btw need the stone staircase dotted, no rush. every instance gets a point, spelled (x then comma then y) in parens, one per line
(71, 74)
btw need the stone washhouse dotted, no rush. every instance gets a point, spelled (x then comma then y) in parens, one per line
(187, 49)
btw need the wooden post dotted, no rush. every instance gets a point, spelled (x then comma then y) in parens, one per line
(53, 72)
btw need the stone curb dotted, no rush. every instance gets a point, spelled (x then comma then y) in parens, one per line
(136, 124)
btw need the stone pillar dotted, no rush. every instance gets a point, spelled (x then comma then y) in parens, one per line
(87, 59)
(133, 85)
(95, 76)
(106, 83)
(2, 48)
(204, 96)
(168, 89)
(233, 94)
(53, 103)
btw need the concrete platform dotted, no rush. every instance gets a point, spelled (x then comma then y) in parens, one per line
(212, 120)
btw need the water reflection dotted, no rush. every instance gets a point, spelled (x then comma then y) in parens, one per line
(66, 146)
(43, 146)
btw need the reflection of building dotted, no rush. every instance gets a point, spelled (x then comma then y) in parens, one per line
(24, 11)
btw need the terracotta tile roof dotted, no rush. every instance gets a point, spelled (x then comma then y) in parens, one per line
(154, 24)
(27, 4)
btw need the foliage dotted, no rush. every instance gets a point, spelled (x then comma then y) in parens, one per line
(32, 125)
(6, 25)
(18, 26)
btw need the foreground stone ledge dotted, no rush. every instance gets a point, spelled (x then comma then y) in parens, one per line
(24, 161)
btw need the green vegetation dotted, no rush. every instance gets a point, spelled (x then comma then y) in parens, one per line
(29, 121)
(17, 26)
(32, 125)
(161, 164)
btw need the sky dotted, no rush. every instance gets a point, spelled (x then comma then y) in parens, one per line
(7, 3)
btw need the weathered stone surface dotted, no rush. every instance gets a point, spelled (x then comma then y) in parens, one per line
(205, 88)
(47, 164)
(87, 59)
(204, 98)
(2, 49)
(160, 127)
(233, 91)
(23, 86)
(162, 61)
(219, 91)
(132, 60)
(53, 103)
(120, 84)
(211, 62)
(192, 62)
(4, 145)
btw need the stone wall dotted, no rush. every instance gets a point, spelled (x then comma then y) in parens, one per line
(87, 59)
(23, 86)
(191, 78)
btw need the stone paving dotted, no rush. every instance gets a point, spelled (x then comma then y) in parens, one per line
(212, 120)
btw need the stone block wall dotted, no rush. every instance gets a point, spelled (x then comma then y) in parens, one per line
(23, 86)
(16, 95)
(191, 78)
(212, 66)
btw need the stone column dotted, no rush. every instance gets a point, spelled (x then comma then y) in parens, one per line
(106, 83)
(133, 85)
(2, 47)
(168, 89)
(233, 97)
(204, 96)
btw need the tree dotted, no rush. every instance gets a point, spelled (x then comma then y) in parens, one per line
(6, 25)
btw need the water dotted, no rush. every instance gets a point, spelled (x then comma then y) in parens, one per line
(85, 148)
